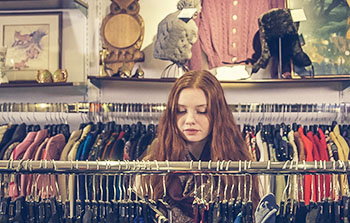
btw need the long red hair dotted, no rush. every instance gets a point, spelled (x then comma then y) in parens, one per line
(226, 143)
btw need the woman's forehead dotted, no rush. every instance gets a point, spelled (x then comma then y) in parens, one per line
(192, 96)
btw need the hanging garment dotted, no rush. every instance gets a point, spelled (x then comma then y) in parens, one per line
(300, 146)
(29, 153)
(322, 147)
(317, 157)
(19, 151)
(293, 144)
(266, 210)
(109, 145)
(226, 30)
(342, 142)
(6, 138)
(18, 135)
(264, 186)
(62, 179)
(294, 178)
(52, 151)
(71, 179)
(330, 143)
(3, 129)
(309, 157)
(341, 153)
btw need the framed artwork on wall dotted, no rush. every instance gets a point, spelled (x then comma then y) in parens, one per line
(326, 33)
(33, 42)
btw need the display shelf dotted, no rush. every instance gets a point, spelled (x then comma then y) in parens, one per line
(9, 6)
(98, 81)
(21, 84)
(344, 81)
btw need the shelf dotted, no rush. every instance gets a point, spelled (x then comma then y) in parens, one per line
(21, 84)
(304, 80)
(95, 80)
(10, 6)
(345, 81)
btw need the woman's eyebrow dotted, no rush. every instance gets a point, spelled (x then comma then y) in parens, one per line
(203, 105)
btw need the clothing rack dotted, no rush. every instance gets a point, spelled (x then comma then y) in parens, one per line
(164, 167)
(151, 112)
(97, 107)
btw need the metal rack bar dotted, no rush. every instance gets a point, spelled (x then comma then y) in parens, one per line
(164, 167)
(96, 107)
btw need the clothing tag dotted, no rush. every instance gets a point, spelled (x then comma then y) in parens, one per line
(187, 13)
(298, 15)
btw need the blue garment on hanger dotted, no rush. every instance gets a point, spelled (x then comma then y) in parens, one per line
(266, 210)
(80, 149)
(238, 218)
(86, 147)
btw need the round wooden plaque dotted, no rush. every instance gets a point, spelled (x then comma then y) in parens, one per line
(122, 30)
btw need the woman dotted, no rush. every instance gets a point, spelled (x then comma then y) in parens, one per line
(196, 125)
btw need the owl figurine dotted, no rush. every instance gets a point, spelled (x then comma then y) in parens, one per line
(122, 34)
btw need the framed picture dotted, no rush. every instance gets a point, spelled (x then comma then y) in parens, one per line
(326, 34)
(33, 42)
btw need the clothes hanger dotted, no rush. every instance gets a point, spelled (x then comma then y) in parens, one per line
(247, 209)
(88, 214)
(301, 208)
(43, 210)
(196, 200)
(203, 210)
(162, 205)
(211, 201)
(51, 207)
(108, 203)
(123, 205)
(231, 203)
(101, 201)
(146, 212)
(132, 203)
(94, 203)
(138, 204)
(281, 216)
(216, 213)
(239, 199)
(113, 211)
(292, 202)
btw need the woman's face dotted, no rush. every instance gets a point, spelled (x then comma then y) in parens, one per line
(192, 114)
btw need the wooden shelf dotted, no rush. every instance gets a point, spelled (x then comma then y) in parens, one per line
(16, 84)
(97, 81)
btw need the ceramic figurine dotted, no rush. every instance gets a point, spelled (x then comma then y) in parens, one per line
(44, 76)
(60, 75)
(103, 55)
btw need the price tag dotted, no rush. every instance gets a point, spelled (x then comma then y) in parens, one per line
(298, 15)
(187, 13)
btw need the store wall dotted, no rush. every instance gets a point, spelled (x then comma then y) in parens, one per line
(80, 57)
(153, 11)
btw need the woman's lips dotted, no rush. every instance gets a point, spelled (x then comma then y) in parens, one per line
(191, 131)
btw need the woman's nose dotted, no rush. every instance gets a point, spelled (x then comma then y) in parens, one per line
(190, 118)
